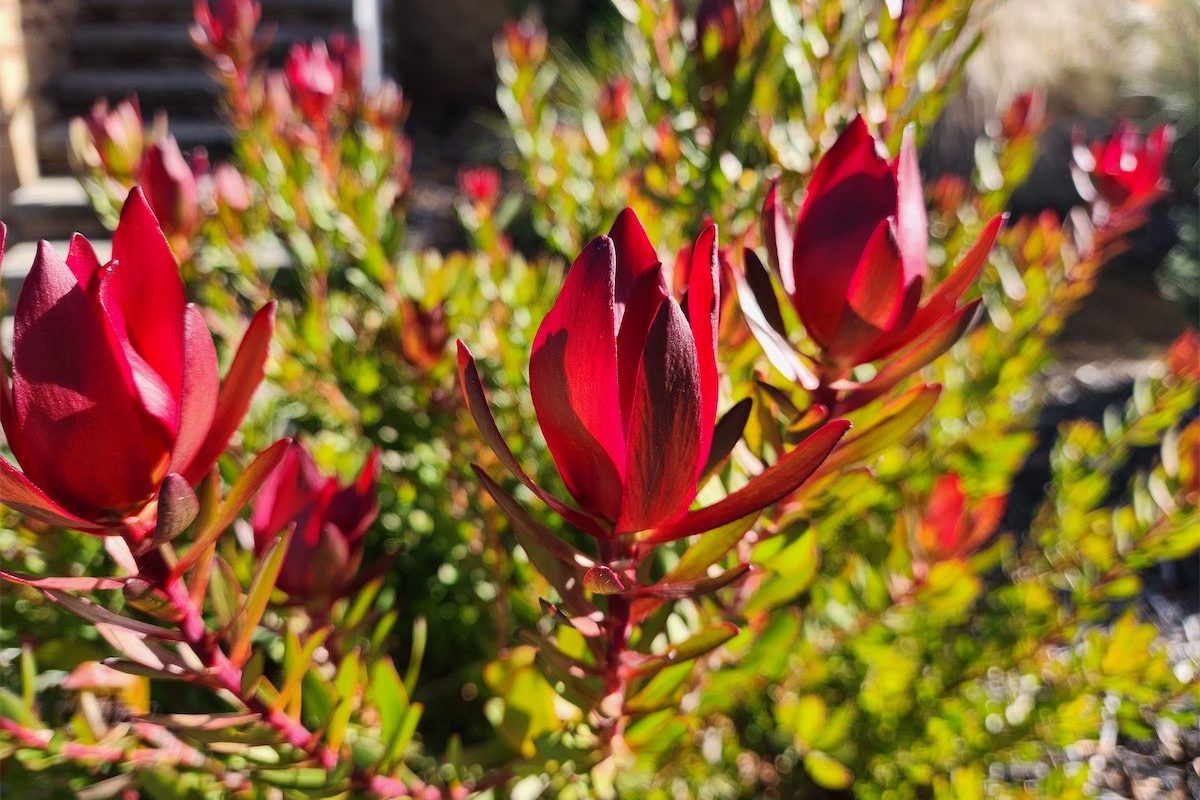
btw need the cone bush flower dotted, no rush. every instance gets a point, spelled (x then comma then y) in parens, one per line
(625, 385)
(952, 530)
(114, 381)
(330, 521)
(855, 267)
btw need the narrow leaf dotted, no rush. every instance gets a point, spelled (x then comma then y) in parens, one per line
(258, 596)
(241, 493)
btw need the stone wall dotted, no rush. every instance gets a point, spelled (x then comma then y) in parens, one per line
(34, 48)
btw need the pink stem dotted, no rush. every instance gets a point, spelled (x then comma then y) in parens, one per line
(228, 676)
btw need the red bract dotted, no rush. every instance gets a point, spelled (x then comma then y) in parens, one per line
(855, 267)
(949, 530)
(1024, 116)
(114, 380)
(228, 30)
(330, 522)
(625, 387)
(613, 103)
(170, 188)
(117, 135)
(314, 78)
(480, 185)
(525, 40)
(1125, 169)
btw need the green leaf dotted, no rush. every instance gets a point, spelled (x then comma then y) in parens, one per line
(390, 699)
(258, 596)
(710, 548)
(420, 637)
(704, 642)
(827, 771)
(345, 684)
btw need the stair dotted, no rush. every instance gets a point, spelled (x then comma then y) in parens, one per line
(143, 47)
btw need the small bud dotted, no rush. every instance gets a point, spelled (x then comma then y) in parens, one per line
(601, 579)
(177, 507)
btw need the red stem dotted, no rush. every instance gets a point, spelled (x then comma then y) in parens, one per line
(153, 568)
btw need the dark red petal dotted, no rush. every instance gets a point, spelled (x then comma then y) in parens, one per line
(919, 352)
(635, 255)
(852, 190)
(778, 235)
(776, 482)
(874, 298)
(574, 385)
(664, 426)
(84, 437)
(285, 493)
(950, 291)
(83, 263)
(353, 508)
(477, 404)
(648, 293)
(233, 400)
(778, 349)
(19, 494)
(912, 224)
(201, 385)
(143, 294)
(702, 316)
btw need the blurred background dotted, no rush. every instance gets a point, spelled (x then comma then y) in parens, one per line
(1095, 60)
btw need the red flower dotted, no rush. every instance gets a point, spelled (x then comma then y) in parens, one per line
(480, 185)
(613, 103)
(116, 134)
(1183, 356)
(1025, 115)
(856, 266)
(625, 387)
(228, 30)
(114, 380)
(1126, 169)
(170, 187)
(314, 78)
(330, 522)
(949, 530)
(525, 40)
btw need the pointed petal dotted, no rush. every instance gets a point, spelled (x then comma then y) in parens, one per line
(82, 261)
(574, 384)
(726, 434)
(648, 293)
(635, 254)
(233, 400)
(703, 310)
(759, 281)
(919, 354)
(950, 291)
(778, 349)
(664, 426)
(852, 190)
(477, 404)
(143, 293)
(19, 494)
(912, 224)
(776, 482)
(198, 396)
(84, 436)
(778, 235)
(874, 298)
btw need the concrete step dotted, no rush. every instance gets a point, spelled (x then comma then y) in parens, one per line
(180, 91)
(210, 133)
(50, 208)
(168, 42)
(273, 10)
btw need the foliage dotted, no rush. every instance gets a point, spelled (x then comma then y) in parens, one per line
(865, 619)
